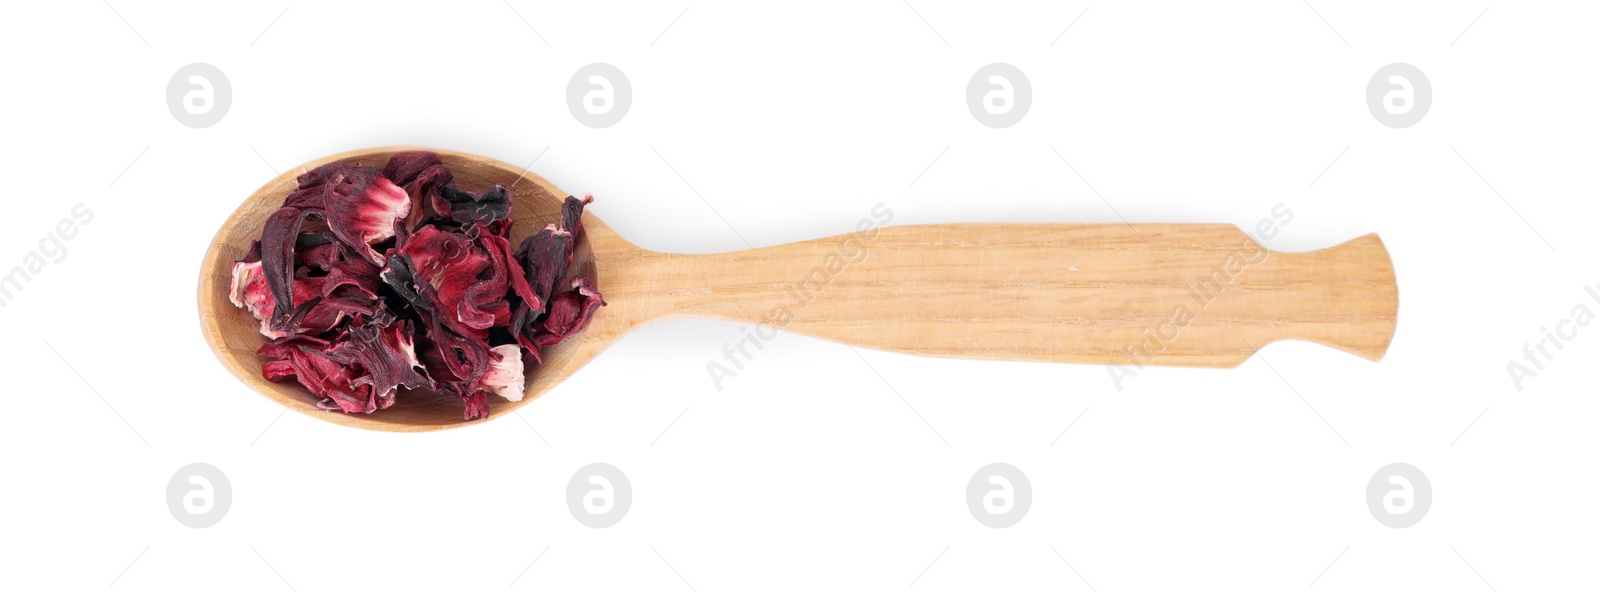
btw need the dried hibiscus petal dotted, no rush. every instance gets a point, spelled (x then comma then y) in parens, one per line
(305, 359)
(568, 312)
(319, 303)
(505, 376)
(544, 257)
(457, 365)
(453, 265)
(317, 250)
(572, 213)
(323, 313)
(465, 206)
(477, 405)
(278, 238)
(399, 276)
(385, 353)
(362, 207)
(421, 174)
(248, 290)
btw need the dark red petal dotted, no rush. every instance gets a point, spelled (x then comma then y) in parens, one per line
(353, 271)
(477, 406)
(572, 213)
(405, 168)
(399, 276)
(486, 298)
(317, 250)
(456, 364)
(500, 250)
(305, 359)
(466, 206)
(525, 327)
(544, 258)
(421, 174)
(431, 250)
(312, 188)
(362, 207)
(569, 311)
(385, 354)
(277, 370)
(278, 237)
(344, 302)
(254, 254)
(461, 270)
(350, 399)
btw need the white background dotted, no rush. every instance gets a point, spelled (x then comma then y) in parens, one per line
(807, 470)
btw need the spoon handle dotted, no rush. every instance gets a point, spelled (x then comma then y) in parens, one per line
(1151, 294)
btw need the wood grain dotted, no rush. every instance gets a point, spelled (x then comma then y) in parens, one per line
(1162, 294)
(1168, 294)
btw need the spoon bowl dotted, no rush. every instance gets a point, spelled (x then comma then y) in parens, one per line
(233, 334)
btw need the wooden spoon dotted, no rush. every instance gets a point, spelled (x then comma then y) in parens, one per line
(1152, 294)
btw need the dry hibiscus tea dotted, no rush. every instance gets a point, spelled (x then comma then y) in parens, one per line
(366, 281)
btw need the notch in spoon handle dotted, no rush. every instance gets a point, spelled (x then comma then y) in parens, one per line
(1151, 294)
